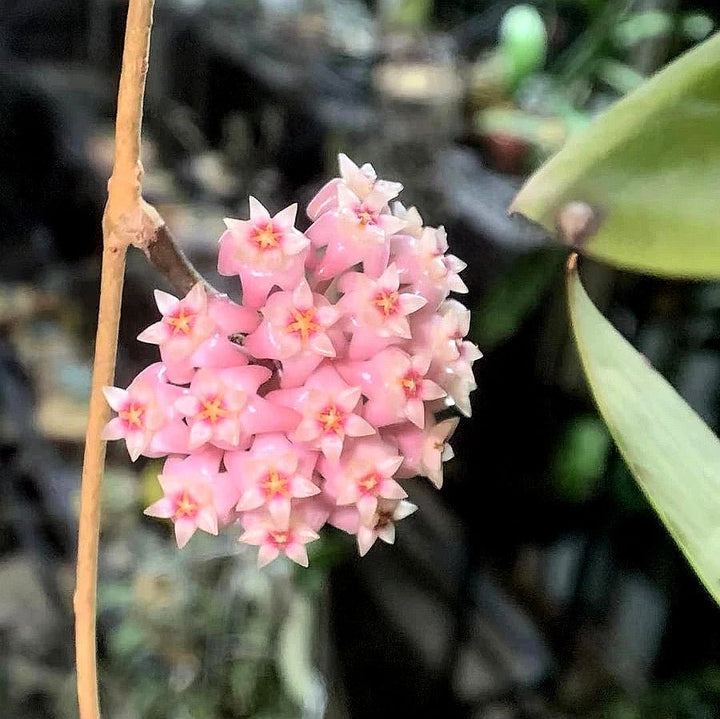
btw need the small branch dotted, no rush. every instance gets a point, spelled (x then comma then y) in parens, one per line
(168, 259)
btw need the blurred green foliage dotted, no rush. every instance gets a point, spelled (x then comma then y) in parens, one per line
(580, 460)
(523, 43)
(694, 697)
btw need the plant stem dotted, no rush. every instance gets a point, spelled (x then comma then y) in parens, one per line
(113, 268)
(127, 220)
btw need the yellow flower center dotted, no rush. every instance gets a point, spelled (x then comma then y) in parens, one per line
(330, 419)
(133, 415)
(304, 323)
(181, 323)
(280, 538)
(369, 482)
(386, 302)
(185, 506)
(212, 410)
(266, 238)
(275, 483)
(411, 384)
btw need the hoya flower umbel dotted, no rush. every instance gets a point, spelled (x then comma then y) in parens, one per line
(311, 397)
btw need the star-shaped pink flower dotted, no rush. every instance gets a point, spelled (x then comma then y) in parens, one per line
(330, 411)
(423, 263)
(377, 311)
(273, 537)
(423, 450)
(222, 407)
(395, 384)
(356, 231)
(442, 332)
(146, 417)
(271, 474)
(362, 181)
(264, 251)
(185, 324)
(328, 418)
(295, 330)
(457, 378)
(382, 523)
(188, 497)
(363, 475)
(212, 407)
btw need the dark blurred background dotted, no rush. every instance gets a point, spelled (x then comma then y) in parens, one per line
(538, 584)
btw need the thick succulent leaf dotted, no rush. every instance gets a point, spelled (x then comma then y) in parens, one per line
(671, 452)
(638, 188)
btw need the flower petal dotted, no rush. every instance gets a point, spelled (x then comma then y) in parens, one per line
(163, 509)
(298, 553)
(116, 397)
(184, 529)
(114, 429)
(167, 303)
(266, 554)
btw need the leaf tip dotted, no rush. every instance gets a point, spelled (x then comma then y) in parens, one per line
(513, 208)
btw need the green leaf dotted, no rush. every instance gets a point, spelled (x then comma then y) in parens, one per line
(639, 187)
(670, 451)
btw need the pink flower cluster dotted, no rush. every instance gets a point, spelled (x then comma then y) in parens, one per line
(307, 403)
